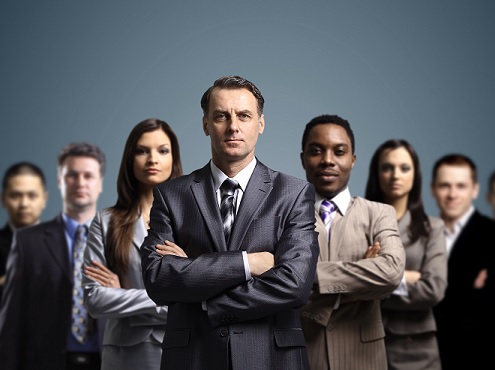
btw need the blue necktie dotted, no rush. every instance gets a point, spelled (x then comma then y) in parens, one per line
(227, 206)
(80, 322)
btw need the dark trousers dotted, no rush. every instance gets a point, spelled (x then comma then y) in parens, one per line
(83, 361)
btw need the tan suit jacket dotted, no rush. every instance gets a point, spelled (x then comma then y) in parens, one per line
(348, 335)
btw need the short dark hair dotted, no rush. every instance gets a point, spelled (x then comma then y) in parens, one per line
(232, 82)
(327, 119)
(455, 159)
(23, 168)
(82, 149)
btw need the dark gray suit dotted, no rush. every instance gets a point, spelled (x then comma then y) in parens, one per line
(256, 320)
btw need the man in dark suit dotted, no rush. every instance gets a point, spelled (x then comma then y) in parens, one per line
(233, 300)
(37, 305)
(24, 198)
(465, 315)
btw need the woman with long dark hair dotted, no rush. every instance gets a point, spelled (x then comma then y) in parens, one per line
(395, 178)
(112, 281)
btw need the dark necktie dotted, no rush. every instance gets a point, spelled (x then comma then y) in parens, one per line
(79, 314)
(227, 206)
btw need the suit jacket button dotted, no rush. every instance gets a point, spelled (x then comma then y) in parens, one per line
(224, 333)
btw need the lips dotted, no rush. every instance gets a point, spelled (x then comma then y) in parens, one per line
(327, 175)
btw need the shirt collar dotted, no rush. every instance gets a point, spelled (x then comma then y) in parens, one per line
(341, 200)
(71, 225)
(242, 177)
(464, 219)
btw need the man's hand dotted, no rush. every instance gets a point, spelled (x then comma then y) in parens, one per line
(260, 262)
(479, 283)
(170, 248)
(372, 251)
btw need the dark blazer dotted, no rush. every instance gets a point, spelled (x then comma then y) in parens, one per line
(465, 315)
(256, 320)
(6, 236)
(36, 307)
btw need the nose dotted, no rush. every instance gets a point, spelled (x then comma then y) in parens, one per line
(234, 123)
(327, 157)
(152, 157)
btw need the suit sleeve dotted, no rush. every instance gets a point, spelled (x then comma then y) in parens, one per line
(356, 278)
(430, 288)
(106, 302)
(13, 308)
(170, 279)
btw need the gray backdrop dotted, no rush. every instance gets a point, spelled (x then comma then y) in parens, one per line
(90, 70)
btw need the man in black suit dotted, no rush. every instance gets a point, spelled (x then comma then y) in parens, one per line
(466, 314)
(233, 293)
(37, 305)
(24, 198)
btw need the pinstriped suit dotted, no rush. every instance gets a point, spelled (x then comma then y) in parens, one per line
(258, 319)
(351, 337)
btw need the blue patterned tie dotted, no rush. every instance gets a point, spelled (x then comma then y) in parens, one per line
(326, 209)
(80, 322)
(227, 206)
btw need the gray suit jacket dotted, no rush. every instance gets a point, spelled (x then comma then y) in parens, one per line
(414, 314)
(132, 317)
(350, 335)
(255, 322)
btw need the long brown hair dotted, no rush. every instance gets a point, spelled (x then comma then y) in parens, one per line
(125, 212)
(420, 224)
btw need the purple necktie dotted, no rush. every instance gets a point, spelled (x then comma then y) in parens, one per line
(326, 209)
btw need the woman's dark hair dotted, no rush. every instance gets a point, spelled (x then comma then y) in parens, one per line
(420, 224)
(126, 211)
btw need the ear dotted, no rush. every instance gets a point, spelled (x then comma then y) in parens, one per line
(302, 160)
(261, 124)
(353, 160)
(205, 126)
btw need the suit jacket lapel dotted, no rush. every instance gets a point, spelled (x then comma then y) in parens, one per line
(204, 194)
(55, 242)
(257, 190)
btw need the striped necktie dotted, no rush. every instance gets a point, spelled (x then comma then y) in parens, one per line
(326, 209)
(227, 190)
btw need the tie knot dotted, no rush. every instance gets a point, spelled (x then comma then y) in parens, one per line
(229, 186)
(326, 209)
(327, 206)
(81, 232)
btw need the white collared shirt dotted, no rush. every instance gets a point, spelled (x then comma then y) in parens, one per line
(451, 236)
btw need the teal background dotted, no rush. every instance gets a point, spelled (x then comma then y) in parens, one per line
(90, 70)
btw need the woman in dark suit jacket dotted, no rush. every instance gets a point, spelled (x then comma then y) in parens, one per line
(395, 178)
(135, 325)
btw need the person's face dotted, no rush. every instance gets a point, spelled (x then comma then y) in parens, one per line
(327, 159)
(153, 158)
(24, 198)
(454, 191)
(80, 183)
(395, 173)
(233, 125)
